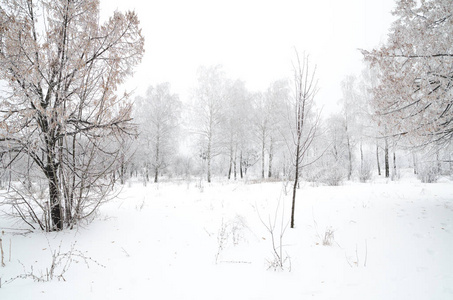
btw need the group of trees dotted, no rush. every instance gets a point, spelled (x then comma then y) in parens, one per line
(66, 137)
(224, 131)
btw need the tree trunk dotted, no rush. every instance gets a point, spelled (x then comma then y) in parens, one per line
(296, 182)
(234, 164)
(349, 157)
(231, 163)
(439, 164)
(262, 156)
(361, 157)
(241, 166)
(54, 196)
(377, 159)
(386, 159)
(208, 158)
(394, 165)
(122, 169)
(156, 175)
(157, 161)
(271, 154)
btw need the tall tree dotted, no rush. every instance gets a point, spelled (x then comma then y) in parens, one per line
(209, 113)
(276, 96)
(236, 124)
(158, 115)
(414, 96)
(62, 69)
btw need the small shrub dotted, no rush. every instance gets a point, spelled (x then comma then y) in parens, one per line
(365, 173)
(428, 174)
(332, 177)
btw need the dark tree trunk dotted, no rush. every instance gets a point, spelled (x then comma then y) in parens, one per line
(296, 182)
(230, 164)
(439, 164)
(54, 196)
(414, 158)
(122, 169)
(377, 159)
(271, 155)
(241, 166)
(262, 157)
(386, 159)
(156, 174)
(394, 164)
(234, 164)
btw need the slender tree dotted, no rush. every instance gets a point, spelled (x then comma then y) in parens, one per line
(209, 113)
(304, 127)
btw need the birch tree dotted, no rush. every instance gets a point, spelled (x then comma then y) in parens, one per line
(208, 112)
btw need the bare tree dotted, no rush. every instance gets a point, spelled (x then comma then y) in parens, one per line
(304, 125)
(158, 115)
(235, 127)
(209, 112)
(62, 69)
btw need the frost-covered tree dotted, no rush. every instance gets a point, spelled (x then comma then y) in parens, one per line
(415, 96)
(158, 116)
(276, 96)
(262, 125)
(349, 120)
(268, 118)
(236, 125)
(60, 111)
(209, 113)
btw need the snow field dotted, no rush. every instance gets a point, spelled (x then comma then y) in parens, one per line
(389, 240)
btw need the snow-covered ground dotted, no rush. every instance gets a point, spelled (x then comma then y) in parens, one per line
(389, 240)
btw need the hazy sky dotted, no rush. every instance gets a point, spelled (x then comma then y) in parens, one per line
(254, 40)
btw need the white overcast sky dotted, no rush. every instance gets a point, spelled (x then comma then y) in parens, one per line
(254, 40)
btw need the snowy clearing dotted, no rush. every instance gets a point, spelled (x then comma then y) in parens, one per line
(388, 240)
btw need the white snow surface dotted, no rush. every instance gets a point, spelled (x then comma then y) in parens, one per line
(175, 240)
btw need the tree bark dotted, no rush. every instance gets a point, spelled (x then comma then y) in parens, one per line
(241, 165)
(230, 164)
(394, 164)
(234, 164)
(208, 158)
(377, 159)
(361, 157)
(54, 196)
(271, 155)
(262, 156)
(296, 181)
(386, 159)
(349, 157)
